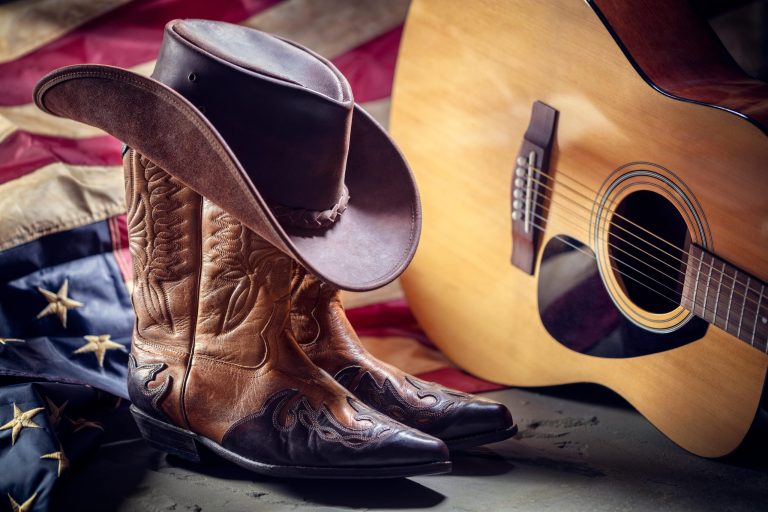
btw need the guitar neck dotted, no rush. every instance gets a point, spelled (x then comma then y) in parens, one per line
(726, 297)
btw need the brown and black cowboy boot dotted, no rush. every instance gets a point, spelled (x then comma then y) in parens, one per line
(323, 331)
(214, 362)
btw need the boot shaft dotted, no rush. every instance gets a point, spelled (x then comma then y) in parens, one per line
(244, 292)
(164, 236)
(320, 324)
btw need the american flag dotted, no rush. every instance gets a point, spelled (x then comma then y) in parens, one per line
(65, 272)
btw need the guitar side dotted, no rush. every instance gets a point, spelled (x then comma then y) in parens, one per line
(464, 86)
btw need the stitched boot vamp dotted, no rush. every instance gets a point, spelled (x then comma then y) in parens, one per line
(324, 333)
(289, 430)
(434, 409)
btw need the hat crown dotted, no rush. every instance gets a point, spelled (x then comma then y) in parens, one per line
(284, 111)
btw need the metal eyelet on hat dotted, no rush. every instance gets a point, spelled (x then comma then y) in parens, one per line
(192, 77)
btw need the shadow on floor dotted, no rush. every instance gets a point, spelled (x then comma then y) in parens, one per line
(479, 462)
(393, 493)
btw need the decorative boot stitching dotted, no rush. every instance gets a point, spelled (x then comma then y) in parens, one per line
(385, 398)
(290, 412)
(158, 240)
(139, 377)
(242, 262)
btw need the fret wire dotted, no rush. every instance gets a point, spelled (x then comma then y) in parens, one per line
(724, 272)
(730, 299)
(747, 301)
(702, 304)
(696, 288)
(709, 278)
(757, 314)
(743, 303)
(748, 313)
(717, 296)
(758, 304)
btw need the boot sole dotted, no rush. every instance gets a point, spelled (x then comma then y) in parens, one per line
(462, 443)
(186, 445)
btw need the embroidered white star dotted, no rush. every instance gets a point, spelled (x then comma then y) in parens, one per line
(21, 419)
(99, 346)
(58, 303)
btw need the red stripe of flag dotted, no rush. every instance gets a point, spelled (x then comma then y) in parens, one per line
(22, 152)
(370, 68)
(118, 230)
(126, 36)
(391, 318)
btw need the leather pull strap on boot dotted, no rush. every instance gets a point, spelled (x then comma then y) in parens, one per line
(326, 336)
(214, 362)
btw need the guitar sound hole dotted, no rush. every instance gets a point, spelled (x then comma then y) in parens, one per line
(578, 312)
(646, 241)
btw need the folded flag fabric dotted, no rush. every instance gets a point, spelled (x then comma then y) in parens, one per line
(65, 270)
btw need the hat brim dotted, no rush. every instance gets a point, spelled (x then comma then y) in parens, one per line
(368, 246)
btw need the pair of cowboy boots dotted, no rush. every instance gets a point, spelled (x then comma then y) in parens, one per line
(238, 349)
(250, 155)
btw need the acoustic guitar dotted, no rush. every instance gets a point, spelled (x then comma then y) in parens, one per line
(595, 196)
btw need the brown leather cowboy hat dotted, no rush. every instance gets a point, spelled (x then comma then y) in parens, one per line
(270, 132)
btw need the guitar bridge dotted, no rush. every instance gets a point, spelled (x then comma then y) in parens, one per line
(528, 184)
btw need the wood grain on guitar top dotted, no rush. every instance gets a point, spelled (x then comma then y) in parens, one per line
(467, 76)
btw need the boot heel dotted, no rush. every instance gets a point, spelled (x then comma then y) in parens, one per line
(165, 437)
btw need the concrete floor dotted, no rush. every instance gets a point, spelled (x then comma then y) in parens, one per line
(570, 455)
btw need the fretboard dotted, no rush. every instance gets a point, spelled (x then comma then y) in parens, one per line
(726, 297)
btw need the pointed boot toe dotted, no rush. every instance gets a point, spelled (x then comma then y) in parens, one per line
(475, 422)
(411, 447)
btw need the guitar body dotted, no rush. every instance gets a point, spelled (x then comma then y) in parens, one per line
(467, 76)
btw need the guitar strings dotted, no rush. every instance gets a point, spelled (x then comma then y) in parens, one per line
(672, 301)
(593, 256)
(613, 212)
(695, 304)
(589, 210)
(553, 202)
(616, 214)
(607, 240)
(693, 259)
(541, 172)
(580, 226)
(639, 272)
(685, 264)
(679, 271)
(627, 264)
(702, 307)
